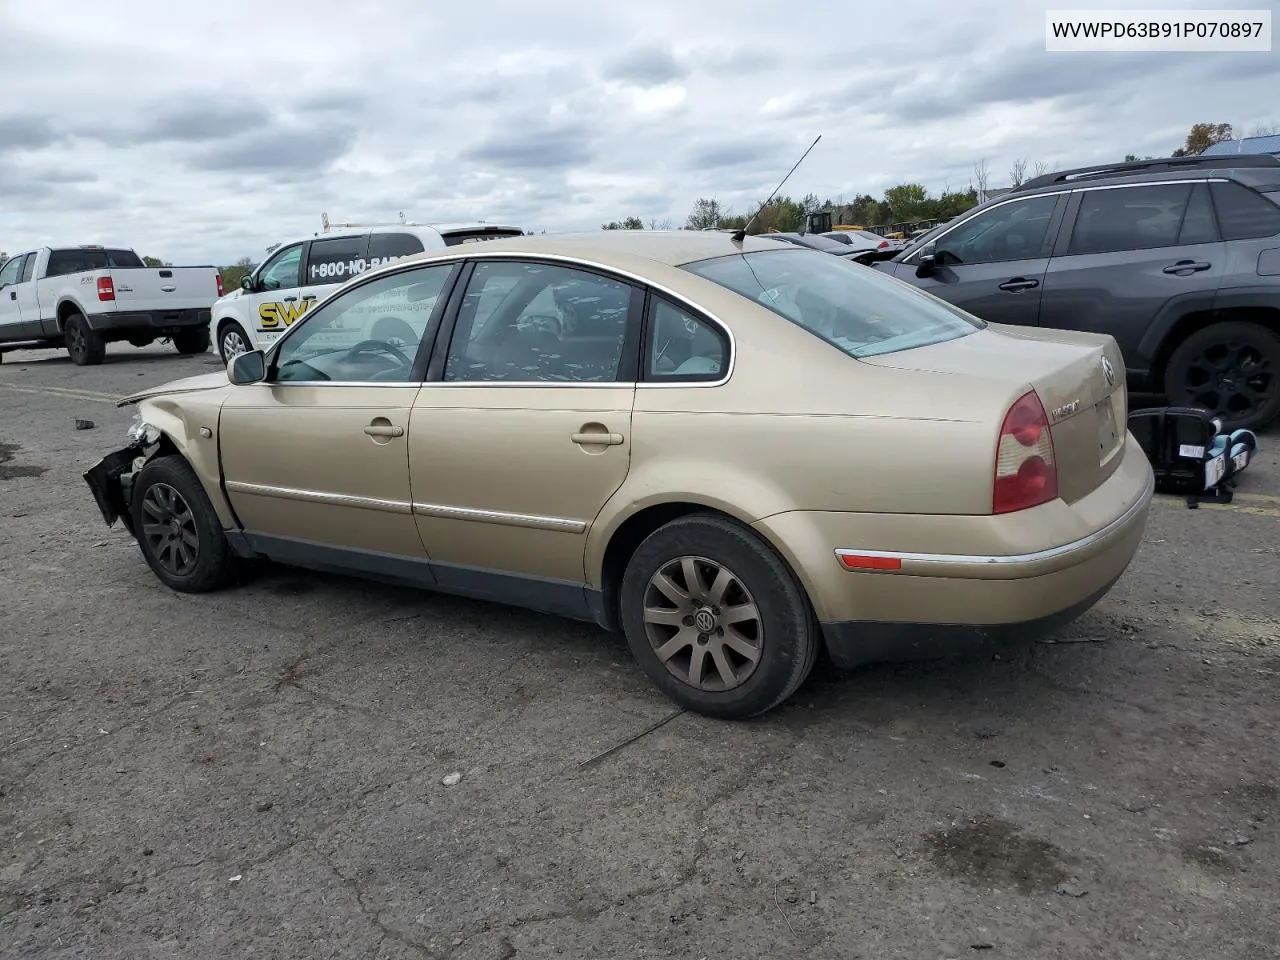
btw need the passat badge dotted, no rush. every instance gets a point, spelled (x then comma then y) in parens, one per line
(1109, 372)
(1064, 411)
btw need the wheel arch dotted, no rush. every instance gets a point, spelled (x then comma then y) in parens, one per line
(1243, 309)
(177, 424)
(65, 310)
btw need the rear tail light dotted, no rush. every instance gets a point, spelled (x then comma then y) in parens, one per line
(1026, 474)
(106, 289)
(219, 284)
(883, 244)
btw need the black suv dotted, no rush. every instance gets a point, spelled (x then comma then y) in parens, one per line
(1178, 259)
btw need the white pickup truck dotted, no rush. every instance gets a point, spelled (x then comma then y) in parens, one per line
(83, 298)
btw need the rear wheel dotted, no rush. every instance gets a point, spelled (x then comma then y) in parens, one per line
(192, 340)
(1231, 369)
(232, 341)
(716, 619)
(177, 528)
(85, 346)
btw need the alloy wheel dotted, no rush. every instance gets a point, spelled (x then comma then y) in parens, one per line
(1231, 377)
(169, 528)
(703, 624)
(233, 345)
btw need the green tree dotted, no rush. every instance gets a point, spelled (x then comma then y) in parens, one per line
(905, 201)
(1202, 136)
(153, 261)
(705, 215)
(234, 274)
(630, 223)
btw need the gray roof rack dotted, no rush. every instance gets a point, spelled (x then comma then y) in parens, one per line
(1148, 166)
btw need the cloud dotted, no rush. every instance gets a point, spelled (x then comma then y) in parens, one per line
(173, 135)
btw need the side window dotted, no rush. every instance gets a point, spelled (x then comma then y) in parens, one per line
(335, 260)
(281, 271)
(10, 272)
(539, 322)
(1243, 214)
(29, 269)
(682, 347)
(385, 247)
(369, 334)
(1198, 225)
(1010, 231)
(1129, 218)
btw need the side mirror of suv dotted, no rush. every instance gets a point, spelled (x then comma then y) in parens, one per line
(927, 260)
(247, 368)
(246, 284)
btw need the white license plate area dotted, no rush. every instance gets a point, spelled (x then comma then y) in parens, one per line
(1108, 433)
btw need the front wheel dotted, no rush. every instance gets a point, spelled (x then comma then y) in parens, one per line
(192, 340)
(232, 341)
(177, 528)
(1231, 369)
(716, 619)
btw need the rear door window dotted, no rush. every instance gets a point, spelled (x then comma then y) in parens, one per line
(1129, 218)
(334, 260)
(1243, 214)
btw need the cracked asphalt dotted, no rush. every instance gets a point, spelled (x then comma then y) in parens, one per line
(258, 772)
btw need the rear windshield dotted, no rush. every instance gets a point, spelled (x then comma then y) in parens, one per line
(64, 262)
(854, 308)
(452, 239)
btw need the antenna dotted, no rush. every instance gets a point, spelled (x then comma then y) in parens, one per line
(739, 235)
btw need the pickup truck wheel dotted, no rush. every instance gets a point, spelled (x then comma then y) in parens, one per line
(232, 341)
(716, 618)
(85, 346)
(177, 528)
(1231, 369)
(194, 340)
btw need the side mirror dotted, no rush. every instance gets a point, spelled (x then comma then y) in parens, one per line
(927, 260)
(246, 284)
(247, 368)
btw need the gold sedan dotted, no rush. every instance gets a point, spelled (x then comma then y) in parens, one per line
(735, 451)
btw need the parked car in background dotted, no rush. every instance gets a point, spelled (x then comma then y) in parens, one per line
(301, 272)
(85, 297)
(734, 452)
(1178, 259)
(817, 241)
(864, 240)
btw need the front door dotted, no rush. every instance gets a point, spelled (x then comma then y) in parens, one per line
(992, 264)
(275, 304)
(316, 457)
(11, 327)
(524, 431)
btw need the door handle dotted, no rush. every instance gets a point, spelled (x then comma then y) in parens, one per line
(13, 295)
(309, 296)
(288, 299)
(384, 430)
(594, 439)
(1187, 266)
(1019, 283)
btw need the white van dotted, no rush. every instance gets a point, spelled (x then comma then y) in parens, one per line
(301, 272)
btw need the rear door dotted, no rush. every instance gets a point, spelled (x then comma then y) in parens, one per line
(523, 430)
(331, 261)
(993, 263)
(1132, 256)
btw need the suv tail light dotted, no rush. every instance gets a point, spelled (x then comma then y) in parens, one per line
(219, 284)
(106, 289)
(883, 244)
(1026, 474)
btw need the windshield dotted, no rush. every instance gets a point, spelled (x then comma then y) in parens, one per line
(855, 308)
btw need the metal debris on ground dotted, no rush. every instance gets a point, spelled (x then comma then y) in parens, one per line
(1070, 888)
(84, 424)
(630, 740)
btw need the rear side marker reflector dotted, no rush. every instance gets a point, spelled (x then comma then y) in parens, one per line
(855, 561)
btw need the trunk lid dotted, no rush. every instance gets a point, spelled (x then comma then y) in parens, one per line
(164, 288)
(1079, 377)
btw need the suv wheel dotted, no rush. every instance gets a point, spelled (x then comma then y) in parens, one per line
(232, 341)
(716, 619)
(177, 528)
(85, 346)
(1231, 369)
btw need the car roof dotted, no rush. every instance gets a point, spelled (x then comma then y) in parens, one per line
(437, 228)
(1251, 169)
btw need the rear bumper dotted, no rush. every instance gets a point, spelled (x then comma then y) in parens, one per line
(158, 320)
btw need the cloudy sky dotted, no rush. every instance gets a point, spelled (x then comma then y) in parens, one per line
(206, 132)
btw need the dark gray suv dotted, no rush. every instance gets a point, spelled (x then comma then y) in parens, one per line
(1178, 259)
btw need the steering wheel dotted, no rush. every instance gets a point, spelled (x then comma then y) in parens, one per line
(372, 346)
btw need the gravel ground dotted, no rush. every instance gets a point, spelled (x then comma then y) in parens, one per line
(262, 772)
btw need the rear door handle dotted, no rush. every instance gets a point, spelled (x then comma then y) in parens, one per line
(13, 295)
(597, 439)
(309, 296)
(1019, 283)
(384, 430)
(1187, 266)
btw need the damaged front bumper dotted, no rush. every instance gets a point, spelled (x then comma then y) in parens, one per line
(111, 481)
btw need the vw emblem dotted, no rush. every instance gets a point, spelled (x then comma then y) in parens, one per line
(1109, 372)
(704, 621)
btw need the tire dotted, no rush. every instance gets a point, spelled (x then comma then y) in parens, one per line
(1244, 355)
(167, 491)
(784, 635)
(192, 340)
(85, 345)
(232, 340)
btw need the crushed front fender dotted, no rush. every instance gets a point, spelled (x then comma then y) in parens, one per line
(107, 480)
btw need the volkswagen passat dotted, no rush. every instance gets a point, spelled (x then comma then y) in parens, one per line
(735, 451)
